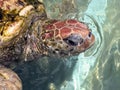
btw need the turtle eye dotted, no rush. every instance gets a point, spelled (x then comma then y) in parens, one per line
(90, 34)
(74, 40)
(71, 42)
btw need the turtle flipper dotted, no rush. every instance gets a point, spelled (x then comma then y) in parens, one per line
(9, 80)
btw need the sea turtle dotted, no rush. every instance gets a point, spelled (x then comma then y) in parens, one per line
(26, 33)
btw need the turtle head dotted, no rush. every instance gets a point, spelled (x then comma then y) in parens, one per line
(68, 37)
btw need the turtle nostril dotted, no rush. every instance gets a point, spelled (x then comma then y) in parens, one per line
(90, 34)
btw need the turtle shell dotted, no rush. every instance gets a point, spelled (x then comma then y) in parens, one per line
(17, 17)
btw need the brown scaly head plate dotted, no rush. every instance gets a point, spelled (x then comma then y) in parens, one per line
(68, 37)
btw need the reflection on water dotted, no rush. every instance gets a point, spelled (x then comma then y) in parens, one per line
(96, 69)
(105, 74)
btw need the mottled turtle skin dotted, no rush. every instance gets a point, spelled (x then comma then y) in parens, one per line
(27, 34)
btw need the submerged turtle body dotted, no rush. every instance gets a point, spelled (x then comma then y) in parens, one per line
(27, 34)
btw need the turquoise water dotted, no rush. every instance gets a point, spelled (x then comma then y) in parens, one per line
(95, 69)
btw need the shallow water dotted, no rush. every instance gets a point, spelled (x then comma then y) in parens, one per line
(97, 68)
